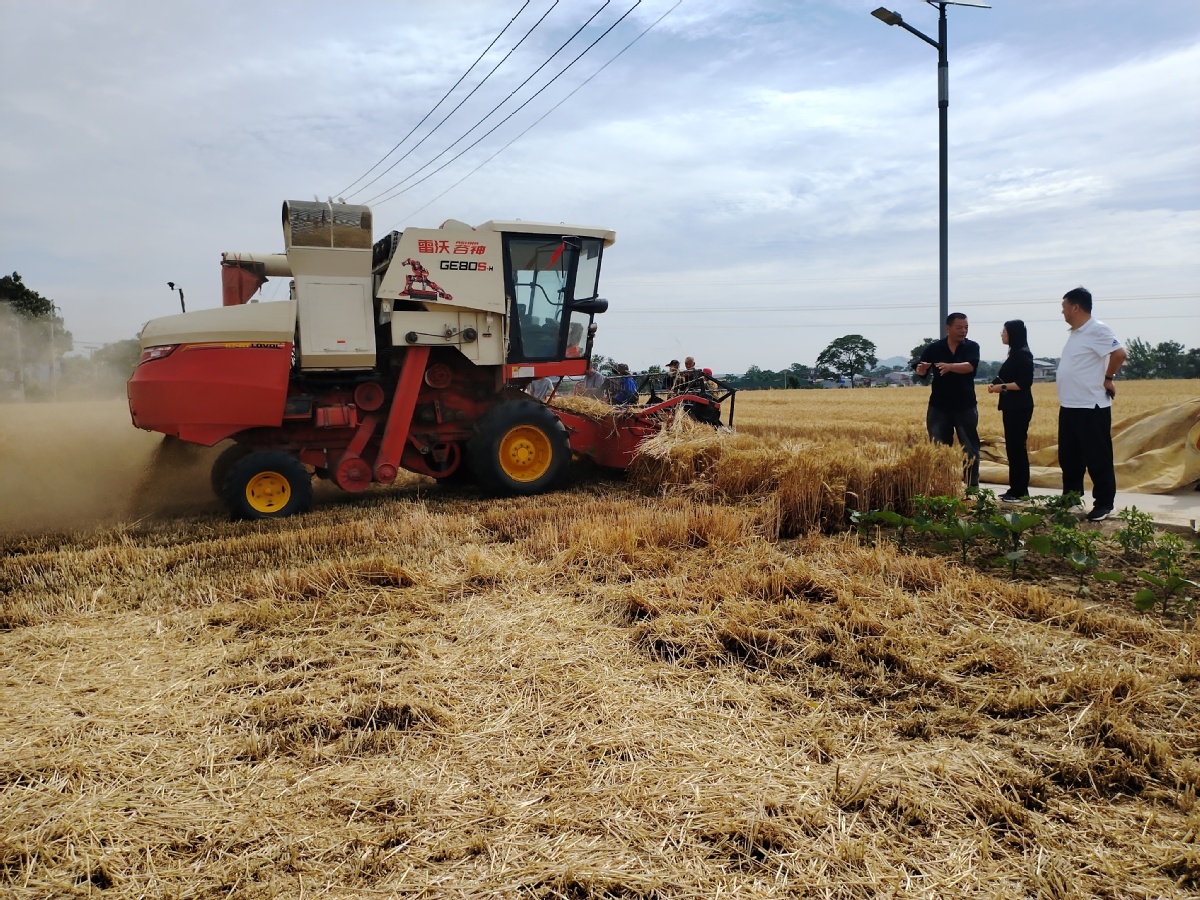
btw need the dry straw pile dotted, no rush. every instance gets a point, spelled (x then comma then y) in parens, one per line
(601, 693)
(801, 485)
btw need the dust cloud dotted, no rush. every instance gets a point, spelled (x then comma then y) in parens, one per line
(78, 464)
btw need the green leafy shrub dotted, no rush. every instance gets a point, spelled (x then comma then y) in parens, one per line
(1137, 532)
(1168, 588)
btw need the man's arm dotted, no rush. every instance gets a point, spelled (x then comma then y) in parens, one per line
(972, 360)
(1116, 359)
(923, 362)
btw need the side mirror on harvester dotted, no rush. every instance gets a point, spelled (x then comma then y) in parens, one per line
(591, 306)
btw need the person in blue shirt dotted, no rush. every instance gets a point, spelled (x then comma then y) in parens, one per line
(624, 388)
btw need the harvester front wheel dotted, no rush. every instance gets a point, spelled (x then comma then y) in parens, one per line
(267, 484)
(520, 448)
(222, 465)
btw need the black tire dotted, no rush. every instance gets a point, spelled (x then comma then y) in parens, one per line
(222, 465)
(267, 484)
(520, 447)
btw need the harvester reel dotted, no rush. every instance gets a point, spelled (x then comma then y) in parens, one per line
(521, 447)
(267, 484)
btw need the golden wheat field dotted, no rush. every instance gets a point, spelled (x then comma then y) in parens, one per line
(898, 414)
(688, 683)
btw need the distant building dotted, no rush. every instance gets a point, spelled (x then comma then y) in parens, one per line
(1044, 370)
(902, 379)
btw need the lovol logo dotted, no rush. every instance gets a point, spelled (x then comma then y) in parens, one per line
(463, 265)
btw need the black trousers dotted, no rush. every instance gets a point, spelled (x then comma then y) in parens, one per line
(944, 424)
(1016, 433)
(1085, 442)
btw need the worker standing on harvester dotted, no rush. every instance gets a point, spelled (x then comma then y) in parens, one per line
(624, 388)
(690, 378)
(674, 379)
(540, 388)
(592, 384)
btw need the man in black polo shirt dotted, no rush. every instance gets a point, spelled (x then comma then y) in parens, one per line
(952, 410)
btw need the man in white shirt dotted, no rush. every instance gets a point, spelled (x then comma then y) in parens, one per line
(1089, 363)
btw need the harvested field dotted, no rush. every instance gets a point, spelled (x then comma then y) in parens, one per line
(645, 688)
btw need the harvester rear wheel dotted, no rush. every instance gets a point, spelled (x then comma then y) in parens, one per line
(223, 463)
(267, 484)
(521, 447)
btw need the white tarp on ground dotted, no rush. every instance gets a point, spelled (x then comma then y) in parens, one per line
(1155, 454)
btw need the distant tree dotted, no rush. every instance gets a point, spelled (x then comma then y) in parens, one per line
(1170, 360)
(756, 377)
(799, 376)
(849, 355)
(33, 339)
(1191, 365)
(1139, 361)
(21, 299)
(987, 370)
(119, 358)
(916, 352)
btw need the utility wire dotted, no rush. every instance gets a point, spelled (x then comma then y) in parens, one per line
(505, 100)
(459, 106)
(547, 113)
(468, 97)
(494, 108)
(443, 100)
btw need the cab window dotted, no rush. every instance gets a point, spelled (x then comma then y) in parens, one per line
(538, 272)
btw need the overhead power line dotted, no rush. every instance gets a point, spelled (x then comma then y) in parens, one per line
(444, 96)
(549, 111)
(459, 105)
(534, 96)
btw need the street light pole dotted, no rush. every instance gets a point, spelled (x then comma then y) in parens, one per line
(171, 285)
(894, 18)
(943, 174)
(53, 373)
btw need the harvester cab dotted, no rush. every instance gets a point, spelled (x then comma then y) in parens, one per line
(408, 352)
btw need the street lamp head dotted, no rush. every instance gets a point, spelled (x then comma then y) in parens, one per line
(171, 285)
(887, 16)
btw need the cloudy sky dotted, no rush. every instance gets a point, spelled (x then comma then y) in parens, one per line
(769, 166)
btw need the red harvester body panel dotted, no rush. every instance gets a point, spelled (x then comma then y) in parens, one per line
(204, 393)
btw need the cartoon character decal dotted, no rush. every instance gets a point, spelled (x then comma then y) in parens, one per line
(418, 285)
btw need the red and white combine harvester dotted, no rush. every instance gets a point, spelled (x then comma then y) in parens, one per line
(412, 352)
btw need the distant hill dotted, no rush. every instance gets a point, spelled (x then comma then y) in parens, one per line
(894, 361)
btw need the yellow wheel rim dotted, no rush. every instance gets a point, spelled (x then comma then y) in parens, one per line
(268, 492)
(525, 453)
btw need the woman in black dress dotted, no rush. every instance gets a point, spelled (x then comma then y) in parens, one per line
(1014, 384)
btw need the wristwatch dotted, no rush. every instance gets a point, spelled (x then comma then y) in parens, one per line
(1004, 387)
